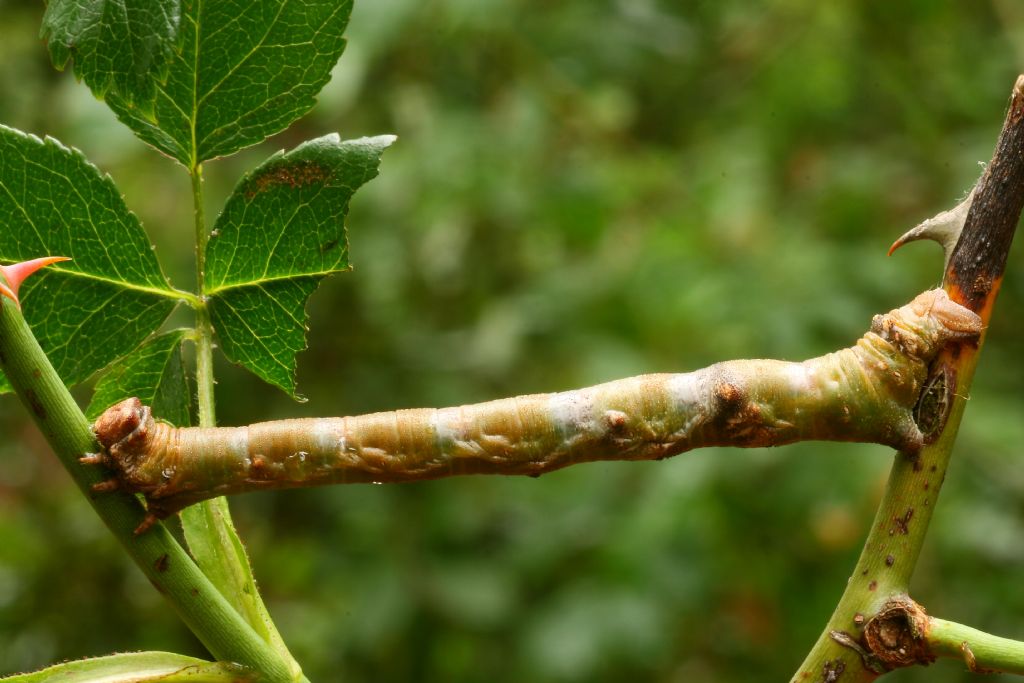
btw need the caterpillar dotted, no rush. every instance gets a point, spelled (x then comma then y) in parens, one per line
(867, 392)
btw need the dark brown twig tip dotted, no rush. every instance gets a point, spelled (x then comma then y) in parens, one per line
(979, 258)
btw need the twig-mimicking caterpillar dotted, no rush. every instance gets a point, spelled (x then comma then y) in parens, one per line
(863, 393)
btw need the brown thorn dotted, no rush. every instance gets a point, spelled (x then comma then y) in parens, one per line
(944, 228)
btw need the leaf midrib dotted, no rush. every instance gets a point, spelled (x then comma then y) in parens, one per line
(169, 293)
(275, 278)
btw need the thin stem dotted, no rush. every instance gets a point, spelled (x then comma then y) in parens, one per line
(157, 554)
(208, 528)
(980, 651)
(204, 329)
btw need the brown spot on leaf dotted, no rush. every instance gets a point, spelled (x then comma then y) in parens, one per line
(293, 174)
(162, 563)
(889, 560)
(873, 585)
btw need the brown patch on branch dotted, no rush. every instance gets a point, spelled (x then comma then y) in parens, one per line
(832, 671)
(979, 258)
(901, 525)
(898, 635)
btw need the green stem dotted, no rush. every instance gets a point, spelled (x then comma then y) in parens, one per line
(894, 542)
(208, 528)
(982, 652)
(204, 328)
(157, 554)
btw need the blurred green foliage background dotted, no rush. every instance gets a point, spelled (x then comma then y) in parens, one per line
(581, 191)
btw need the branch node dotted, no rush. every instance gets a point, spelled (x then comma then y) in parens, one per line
(898, 635)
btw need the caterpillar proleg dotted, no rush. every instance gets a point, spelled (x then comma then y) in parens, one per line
(867, 393)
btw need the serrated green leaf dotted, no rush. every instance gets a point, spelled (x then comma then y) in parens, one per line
(245, 70)
(262, 327)
(112, 294)
(139, 667)
(122, 46)
(281, 232)
(155, 374)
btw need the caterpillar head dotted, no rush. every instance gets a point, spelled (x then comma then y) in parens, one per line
(123, 426)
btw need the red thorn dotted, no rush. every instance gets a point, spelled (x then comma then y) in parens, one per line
(16, 273)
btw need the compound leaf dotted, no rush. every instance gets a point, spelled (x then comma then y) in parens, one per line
(139, 667)
(121, 46)
(155, 374)
(281, 232)
(112, 295)
(244, 70)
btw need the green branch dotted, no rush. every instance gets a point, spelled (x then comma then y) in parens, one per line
(894, 543)
(158, 555)
(980, 651)
(209, 530)
(902, 634)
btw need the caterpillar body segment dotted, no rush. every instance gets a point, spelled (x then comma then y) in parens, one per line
(865, 393)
